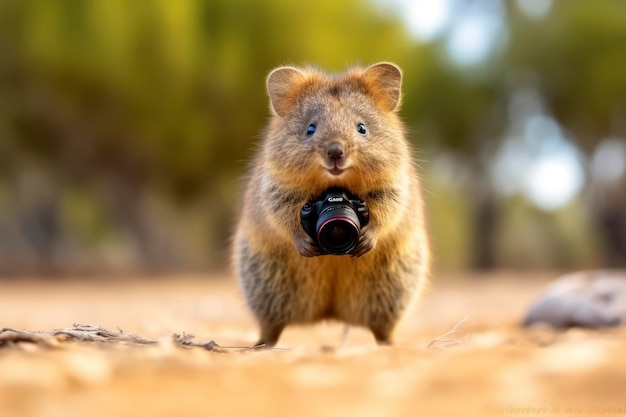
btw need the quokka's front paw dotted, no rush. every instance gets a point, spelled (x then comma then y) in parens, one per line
(306, 247)
(367, 241)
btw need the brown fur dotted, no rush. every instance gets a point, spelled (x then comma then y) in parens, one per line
(283, 281)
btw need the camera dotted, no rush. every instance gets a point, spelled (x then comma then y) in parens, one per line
(335, 221)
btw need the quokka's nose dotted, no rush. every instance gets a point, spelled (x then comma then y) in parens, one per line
(335, 151)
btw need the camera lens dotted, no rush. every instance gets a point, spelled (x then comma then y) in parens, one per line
(338, 229)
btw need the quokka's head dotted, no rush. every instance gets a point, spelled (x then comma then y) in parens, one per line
(335, 130)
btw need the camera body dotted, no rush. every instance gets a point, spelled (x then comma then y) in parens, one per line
(335, 221)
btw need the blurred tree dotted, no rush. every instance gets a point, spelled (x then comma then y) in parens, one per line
(577, 55)
(128, 99)
(111, 110)
(574, 57)
(463, 112)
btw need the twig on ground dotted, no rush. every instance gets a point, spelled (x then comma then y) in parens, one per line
(10, 336)
(79, 332)
(441, 341)
(96, 334)
(185, 340)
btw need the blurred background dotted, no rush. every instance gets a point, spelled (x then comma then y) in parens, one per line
(125, 126)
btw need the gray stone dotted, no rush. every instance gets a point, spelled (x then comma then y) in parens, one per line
(591, 299)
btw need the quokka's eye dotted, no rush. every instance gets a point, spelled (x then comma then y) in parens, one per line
(310, 130)
(361, 128)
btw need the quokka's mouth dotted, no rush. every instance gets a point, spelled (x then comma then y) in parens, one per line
(336, 170)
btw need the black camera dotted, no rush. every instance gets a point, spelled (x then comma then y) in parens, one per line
(335, 221)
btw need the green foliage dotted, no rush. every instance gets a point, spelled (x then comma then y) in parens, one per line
(121, 101)
(577, 54)
(125, 103)
(170, 91)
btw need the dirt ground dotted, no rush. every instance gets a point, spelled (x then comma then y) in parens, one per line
(490, 367)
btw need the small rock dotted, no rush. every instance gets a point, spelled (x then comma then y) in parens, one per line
(591, 299)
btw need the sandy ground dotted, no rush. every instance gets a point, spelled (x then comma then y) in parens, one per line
(491, 367)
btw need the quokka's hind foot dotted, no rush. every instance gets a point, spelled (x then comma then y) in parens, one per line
(269, 335)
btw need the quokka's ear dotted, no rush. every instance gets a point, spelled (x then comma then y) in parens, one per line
(283, 84)
(385, 82)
